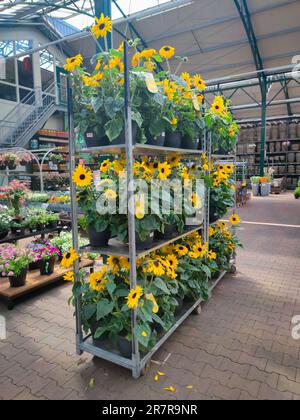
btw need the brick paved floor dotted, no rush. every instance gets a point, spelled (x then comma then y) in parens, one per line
(240, 347)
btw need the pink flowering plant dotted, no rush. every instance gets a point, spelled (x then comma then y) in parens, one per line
(13, 260)
(46, 252)
(15, 193)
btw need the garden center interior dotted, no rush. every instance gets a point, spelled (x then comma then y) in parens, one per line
(149, 200)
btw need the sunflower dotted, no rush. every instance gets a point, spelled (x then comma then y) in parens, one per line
(69, 258)
(154, 166)
(148, 53)
(118, 263)
(97, 280)
(199, 82)
(218, 106)
(156, 267)
(164, 170)
(82, 177)
(174, 121)
(171, 273)
(105, 166)
(181, 250)
(136, 59)
(196, 201)
(174, 160)
(234, 219)
(90, 81)
(199, 250)
(73, 62)
(187, 78)
(211, 231)
(172, 261)
(110, 194)
(212, 255)
(167, 52)
(69, 276)
(102, 26)
(155, 307)
(149, 65)
(133, 297)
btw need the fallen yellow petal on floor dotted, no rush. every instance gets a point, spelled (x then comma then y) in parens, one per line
(156, 378)
(92, 383)
(169, 389)
(189, 387)
(161, 373)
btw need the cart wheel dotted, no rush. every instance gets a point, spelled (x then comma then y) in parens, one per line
(10, 305)
(233, 269)
(198, 310)
(145, 369)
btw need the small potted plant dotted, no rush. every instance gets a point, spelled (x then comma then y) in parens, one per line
(18, 227)
(11, 160)
(53, 219)
(2, 163)
(14, 264)
(297, 191)
(25, 158)
(5, 221)
(47, 256)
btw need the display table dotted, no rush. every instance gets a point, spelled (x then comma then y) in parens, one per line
(34, 281)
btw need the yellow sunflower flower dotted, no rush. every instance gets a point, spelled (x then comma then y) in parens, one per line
(102, 26)
(136, 59)
(118, 263)
(149, 65)
(174, 160)
(110, 194)
(156, 268)
(69, 258)
(167, 52)
(82, 177)
(164, 170)
(134, 297)
(187, 78)
(181, 250)
(172, 261)
(69, 276)
(199, 82)
(105, 166)
(151, 297)
(234, 219)
(148, 53)
(73, 62)
(212, 255)
(97, 280)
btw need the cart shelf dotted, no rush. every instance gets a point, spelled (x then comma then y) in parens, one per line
(116, 248)
(139, 149)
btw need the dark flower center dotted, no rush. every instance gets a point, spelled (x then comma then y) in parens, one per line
(134, 296)
(68, 255)
(102, 26)
(82, 177)
(155, 165)
(115, 261)
(167, 48)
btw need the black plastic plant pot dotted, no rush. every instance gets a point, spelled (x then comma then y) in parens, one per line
(125, 347)
(169, 233)
(173, 139)
(121, 139)
(33, 229)
(41, 227)
(23, 163)
(213, 217)
(11, 166)
(98, 342)
(146, 244)
(92, 140)
(53, 224)
(34, 266)
(156, 141)
(189, 143)
(3, 234)
(18, 231)
(2, 167)
(47, 267)
(20, 280)
(98, 239)
(216, 275)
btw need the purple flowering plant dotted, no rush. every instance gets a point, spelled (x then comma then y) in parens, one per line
(13, 260)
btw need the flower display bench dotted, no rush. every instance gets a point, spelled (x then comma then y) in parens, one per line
(34, 282)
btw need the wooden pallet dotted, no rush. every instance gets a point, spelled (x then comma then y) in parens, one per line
(34, 281)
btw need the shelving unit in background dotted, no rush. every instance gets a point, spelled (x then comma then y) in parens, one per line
(282, 150)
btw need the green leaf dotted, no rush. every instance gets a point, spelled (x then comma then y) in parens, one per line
(104, 307)
(160, 284)
(100, 331)
(111, 287)
(114, 128)
(139, 329)
(89, 310)
(136, 116)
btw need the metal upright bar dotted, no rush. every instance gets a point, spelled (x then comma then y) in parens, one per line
(263, 128)
(72, 154)
(131, 209)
